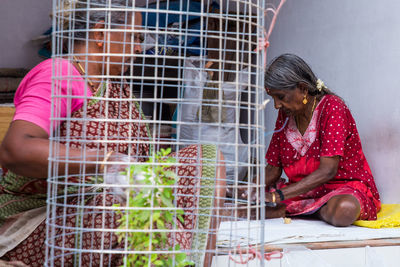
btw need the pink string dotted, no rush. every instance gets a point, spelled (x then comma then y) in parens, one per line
(264, 44)
(253, 254)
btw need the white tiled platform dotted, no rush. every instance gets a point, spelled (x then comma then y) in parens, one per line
(309, 243)
(388, 256)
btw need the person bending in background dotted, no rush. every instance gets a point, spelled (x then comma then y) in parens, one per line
(318, 146)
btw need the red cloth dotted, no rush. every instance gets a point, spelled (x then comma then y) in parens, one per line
(332, 132)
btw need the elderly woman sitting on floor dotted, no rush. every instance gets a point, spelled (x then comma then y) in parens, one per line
(317, 144)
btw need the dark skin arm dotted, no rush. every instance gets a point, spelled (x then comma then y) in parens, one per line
(272, 174)
(325, 172)
(25, 151)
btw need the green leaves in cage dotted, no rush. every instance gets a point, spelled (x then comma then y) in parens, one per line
(157, 192)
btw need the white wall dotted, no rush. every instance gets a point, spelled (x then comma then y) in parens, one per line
(20, 21)
(354, 47)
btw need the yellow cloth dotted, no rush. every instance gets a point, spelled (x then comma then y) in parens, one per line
(388, 217)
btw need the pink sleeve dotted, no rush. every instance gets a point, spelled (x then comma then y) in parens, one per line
(33, 97)
(335, 129)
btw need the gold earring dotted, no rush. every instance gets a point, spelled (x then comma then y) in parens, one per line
(305, 100)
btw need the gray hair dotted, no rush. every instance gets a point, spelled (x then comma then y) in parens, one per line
(82, 15)
(287, 71)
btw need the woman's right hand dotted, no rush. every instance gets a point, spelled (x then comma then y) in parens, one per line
(278, 211)
(242, 192)
(115, 169)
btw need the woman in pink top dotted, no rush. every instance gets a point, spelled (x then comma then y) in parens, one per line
(86, 110)
(317, 144)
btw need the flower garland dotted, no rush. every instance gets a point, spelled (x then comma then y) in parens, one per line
(320, 85)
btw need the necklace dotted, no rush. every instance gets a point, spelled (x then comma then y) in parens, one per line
(83, 72)
(313, 106)
(312, 111)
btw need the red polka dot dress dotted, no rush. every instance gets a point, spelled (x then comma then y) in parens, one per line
(332, 132)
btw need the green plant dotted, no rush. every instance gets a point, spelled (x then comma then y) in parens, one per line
(157, 193)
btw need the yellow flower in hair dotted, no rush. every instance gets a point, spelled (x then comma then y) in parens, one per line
(320, 85)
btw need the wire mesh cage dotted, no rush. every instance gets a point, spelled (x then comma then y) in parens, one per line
(158, 132)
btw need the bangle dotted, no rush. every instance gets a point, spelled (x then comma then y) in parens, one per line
(281, 196)
(273, 197)
(101, 169)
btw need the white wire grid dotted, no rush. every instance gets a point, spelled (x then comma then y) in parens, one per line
(208, 92)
